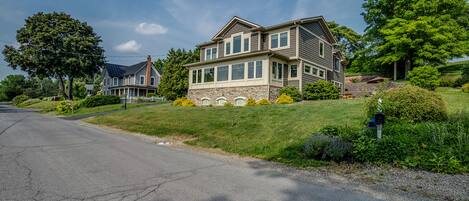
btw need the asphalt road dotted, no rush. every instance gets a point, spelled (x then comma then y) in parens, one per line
(46, 158)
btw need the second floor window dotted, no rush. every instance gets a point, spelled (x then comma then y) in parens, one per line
(279, 40)
(152, 81)
(336, 64)
(210, 53)
(142, 80)
(115, 81)
(227, 48)
(238, 43)
(321, 49)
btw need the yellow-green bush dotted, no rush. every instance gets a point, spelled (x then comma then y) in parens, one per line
(65, 107)
(465, 88)
(251, 102)
(284, 99)
(263, 102)
(184, 102)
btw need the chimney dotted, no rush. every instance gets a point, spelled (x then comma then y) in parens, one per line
(148, 72)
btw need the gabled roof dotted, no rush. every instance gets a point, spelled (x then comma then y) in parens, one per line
(116, 70)
(233, 21)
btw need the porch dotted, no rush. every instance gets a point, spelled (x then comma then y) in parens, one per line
(130, 92)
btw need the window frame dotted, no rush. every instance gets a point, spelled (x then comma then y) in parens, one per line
(290, 71)
(115, 81)
(212, 55)
(321, 45)
(244, 71)
(227, 73)
(316, 69)
(276, 76)
(278, 40)
(205, 77)
(140, 80)
(152, 81)
(338, 65)
(230, 41)
(220, 98)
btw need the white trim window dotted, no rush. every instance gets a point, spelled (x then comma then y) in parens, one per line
(142, 80)
(277, 70)
(211, 53)
(240, 101)
(197, 76)
(115, 81)
(222, 73)
(238, 43)
(338, 84)
(254, 69)
(336, 64)
(220, 101)
(237, 71)
(315, 71)
(152, 80)
(209, 74)
(279, 40)
(321, 49)
(293, 71)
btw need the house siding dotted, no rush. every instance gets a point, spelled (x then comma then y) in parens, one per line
(291, 51)
(236, 28)
(221, 50)
(306, 78)
(294, 83)
(316, 28)
(309, 49)
(254, 42)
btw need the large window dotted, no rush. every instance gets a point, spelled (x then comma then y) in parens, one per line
(294, 71)
(254, 69)
(210, 53)
(115, 81)
(197, 76)
(258, 69)
(237, 71)
(222, 73)
(237, 44)
(251, 70)
(277, 71)
(209, 74)
(279, 40)
(321, 49)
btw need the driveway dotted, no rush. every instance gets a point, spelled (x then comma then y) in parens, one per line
(46, 158)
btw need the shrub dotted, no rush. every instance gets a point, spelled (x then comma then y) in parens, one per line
(184, 102)
(65, 107)
(98, 100)
(251, 102)
(292, 92)
(447, 82)
(228, 104)
(409, 103)
(284, 99)
(263, 102)
(465, 88)
(321, 90)
(29, 102)
(464, 77)
(19, 99)
(425, 77)
(321, 146)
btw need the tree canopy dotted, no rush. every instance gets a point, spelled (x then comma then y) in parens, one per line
(174, 81)
(56, 45)
(416, 32)
(349, 41)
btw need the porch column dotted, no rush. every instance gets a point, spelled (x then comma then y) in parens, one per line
(138, 92)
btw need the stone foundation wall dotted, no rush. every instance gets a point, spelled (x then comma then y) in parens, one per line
(230, 93)
(274, 93)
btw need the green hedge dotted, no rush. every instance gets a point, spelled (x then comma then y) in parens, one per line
(19, 99)
(321, 90)
(98, 100)
(292, 92)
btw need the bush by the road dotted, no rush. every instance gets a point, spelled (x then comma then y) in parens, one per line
(98, 100)
(19, 99)
(65, 107)
(321, 146)
(465, 88)
(410, 104)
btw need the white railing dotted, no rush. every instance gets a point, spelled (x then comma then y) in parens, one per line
(142, 99)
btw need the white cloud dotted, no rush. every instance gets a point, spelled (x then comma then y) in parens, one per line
(129, 46)
(150, 29)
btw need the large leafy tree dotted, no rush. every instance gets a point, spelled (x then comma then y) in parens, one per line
(11, 86)
(174, 81)
(416, 32)
(349, 41)
(56, 45)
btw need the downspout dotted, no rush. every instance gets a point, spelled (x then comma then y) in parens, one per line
(269, 68)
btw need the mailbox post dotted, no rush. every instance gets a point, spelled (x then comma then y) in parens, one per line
(379, 119)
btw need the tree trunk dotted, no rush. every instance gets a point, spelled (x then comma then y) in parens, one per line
(395, 70)
(407, 67)
(62, 86)
(70, 88)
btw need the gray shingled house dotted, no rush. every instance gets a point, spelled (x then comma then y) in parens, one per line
(131, 81)
(246, 60)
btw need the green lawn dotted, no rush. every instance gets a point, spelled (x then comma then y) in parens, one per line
(267, 132)
(455, 99)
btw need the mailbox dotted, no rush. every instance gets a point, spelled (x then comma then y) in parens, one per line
(379, 118)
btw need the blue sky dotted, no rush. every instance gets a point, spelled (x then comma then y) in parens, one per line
(132, 29)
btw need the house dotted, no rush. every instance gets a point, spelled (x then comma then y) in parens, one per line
(245, 60)
(131, 81)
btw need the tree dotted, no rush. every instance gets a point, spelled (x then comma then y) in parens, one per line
(417, 32)
(56, 45)
(174, 81)
(349, 41)
(12, 86)
(425, 77)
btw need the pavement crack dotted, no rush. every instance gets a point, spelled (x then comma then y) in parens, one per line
(14, 123)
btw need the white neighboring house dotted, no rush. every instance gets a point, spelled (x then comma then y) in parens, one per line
(131, 81)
